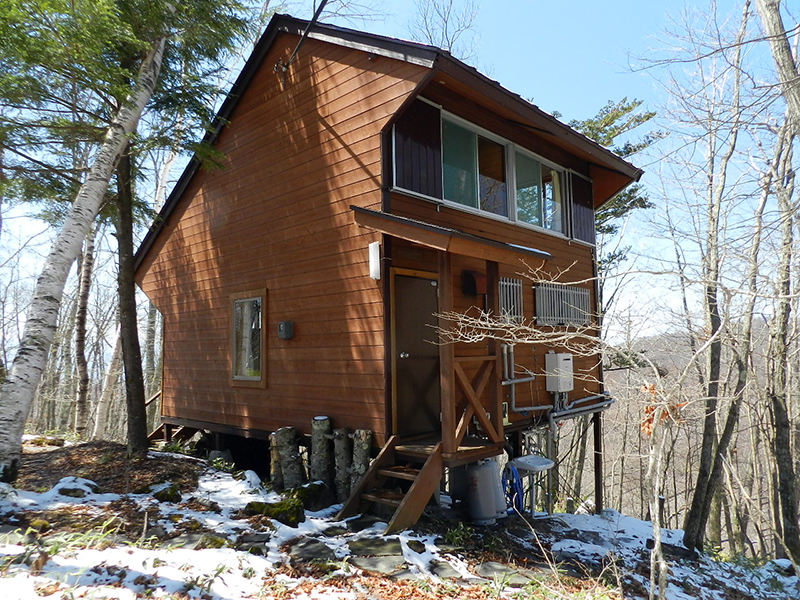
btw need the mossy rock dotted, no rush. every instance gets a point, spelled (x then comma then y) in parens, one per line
(211, 540)
(72, 492)
(314, 496)
(171, 493)
(289, 511)
(39, 525)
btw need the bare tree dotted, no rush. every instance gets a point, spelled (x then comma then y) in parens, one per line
(446, 24)
(785, 62)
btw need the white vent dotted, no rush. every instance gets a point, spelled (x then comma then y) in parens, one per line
(510, 292)
(562, 305)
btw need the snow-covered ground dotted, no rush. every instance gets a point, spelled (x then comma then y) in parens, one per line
(100, 565)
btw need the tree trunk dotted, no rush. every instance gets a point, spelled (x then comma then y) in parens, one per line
(151, 380)
(291, 465)
(129, 330)
(343, 456)
(109, 384)
(362, 450)
(785, 66)
(276, 472)
(18, 390)
(82, 367)
(712, 449)
(654, 483)
(777, 360)
(321, 458)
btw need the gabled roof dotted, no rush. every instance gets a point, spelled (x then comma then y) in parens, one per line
(510, 105)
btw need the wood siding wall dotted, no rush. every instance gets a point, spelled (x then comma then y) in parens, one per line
(277, 217)
(574, 259)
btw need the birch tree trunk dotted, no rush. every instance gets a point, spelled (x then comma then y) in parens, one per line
(112, 375)
(151, 380)
(18, 390)
(81, 365)
(785, 66)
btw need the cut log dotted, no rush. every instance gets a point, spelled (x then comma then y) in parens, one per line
(291, 465)
(321, 458)
(362, 450)
(343, 455)
(276, 473)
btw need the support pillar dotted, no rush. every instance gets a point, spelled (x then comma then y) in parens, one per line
(447, 378)
(597, 421)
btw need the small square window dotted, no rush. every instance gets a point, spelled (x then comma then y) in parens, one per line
(510, 296)
(562, 305)
(247, 355)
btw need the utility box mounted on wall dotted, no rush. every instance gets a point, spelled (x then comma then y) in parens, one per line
(558, 370)
(285, 330)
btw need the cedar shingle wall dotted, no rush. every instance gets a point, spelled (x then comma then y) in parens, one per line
(277, 217)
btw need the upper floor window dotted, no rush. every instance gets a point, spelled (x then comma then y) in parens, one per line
(443, 157)
(474, 170)
(539, 193)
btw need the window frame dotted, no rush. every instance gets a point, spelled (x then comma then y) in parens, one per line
(510, 291)
(242, 380)
(510, 149)
(563, 305)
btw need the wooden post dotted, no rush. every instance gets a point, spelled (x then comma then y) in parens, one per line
(447, 377)
(343, 455)
(362, 450)
(291, 465)
(495, 385)
(276, 473)
(321, 458)
(598, 461)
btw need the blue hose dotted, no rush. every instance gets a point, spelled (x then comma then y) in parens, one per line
(512, 486)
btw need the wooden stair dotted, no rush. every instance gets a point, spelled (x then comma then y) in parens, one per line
(423, 470)
(180, 433)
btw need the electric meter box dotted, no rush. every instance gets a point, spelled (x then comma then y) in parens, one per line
(558, 372)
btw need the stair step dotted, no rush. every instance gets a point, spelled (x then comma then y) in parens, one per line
(381, 496)
(400, 472)
(414, 453)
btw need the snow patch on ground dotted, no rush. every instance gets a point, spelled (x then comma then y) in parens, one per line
(126, 572)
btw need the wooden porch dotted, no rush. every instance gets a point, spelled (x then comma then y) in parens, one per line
(407, 471)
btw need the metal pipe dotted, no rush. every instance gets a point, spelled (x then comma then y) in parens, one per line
(507, 351)
(579, 412)
(569, 405)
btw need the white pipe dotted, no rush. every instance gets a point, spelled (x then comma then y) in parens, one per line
(507, 351)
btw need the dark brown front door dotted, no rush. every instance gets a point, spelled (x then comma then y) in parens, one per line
(416, 356)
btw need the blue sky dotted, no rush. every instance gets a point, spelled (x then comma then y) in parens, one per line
(569, 56)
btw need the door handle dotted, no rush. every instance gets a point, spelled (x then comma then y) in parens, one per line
(404, 355)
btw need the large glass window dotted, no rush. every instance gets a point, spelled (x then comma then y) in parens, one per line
(474, 169)
(459, 160)
(539, 193)
(247, 359)
(480, 171)
(492, 170)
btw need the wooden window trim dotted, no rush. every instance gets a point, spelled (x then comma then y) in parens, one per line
(248, 383)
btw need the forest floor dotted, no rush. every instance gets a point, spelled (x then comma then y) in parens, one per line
(86, 521)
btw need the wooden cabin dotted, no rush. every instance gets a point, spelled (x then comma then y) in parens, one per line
(368, 185)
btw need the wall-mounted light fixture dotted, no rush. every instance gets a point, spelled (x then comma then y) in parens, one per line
(375, 260)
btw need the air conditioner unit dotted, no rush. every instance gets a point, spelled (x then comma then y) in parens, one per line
(558, 372)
